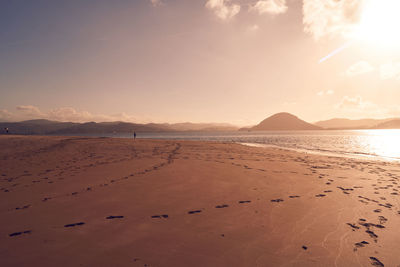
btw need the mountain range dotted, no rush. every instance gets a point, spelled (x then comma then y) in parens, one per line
(278, 122)
(48, 127)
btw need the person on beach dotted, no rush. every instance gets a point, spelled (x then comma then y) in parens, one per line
(134, 135)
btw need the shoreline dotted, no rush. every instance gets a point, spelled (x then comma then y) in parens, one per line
(70, 201)
(350, 155)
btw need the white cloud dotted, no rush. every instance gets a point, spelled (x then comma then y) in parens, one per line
(330, 17)
(273, 7)
(362, 108)
(358, 68)
(222, 9)
(156, 2)
(355, 102)
(390, 70)
(327, 92)
(357, 106)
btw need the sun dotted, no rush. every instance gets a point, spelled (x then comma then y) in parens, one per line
(379, 23)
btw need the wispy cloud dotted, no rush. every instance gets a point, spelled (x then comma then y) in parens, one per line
(355, 103)
(330, 17)
(273, 7)
(359, 68)
(327, 92)
(357, 106)
(390, 70)
(223, 9)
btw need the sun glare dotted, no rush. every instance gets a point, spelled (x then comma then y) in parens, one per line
(379, 23)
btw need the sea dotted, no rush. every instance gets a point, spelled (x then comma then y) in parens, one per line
(373, 144)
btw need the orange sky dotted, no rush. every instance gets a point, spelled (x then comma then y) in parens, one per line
(231, 61)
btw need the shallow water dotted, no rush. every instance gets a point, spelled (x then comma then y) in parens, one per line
(369, 143)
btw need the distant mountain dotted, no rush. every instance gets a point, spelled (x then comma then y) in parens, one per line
(34, 126)
(350, 124)
(55, 127)
(283, 122)
(188, 126)
(392, 124)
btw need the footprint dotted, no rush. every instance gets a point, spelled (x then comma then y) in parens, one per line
(74, 224)
(114, 217)
(372, 235)
(24, 207)
(277, 200)
(222, 206)
(165, 216)
(194, 211)
(361, 244)
(320, 195)
(244, 201)
(353, 226)
(376, 262)
(304, 247)
(294, 196)
(20, 233)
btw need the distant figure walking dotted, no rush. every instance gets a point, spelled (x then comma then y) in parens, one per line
(6, 129)
(134, 135)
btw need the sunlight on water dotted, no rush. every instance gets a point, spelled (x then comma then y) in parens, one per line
(384, 143)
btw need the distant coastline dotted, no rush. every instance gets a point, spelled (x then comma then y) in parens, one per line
(278, 122)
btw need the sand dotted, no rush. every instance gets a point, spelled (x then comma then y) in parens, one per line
(70, 201)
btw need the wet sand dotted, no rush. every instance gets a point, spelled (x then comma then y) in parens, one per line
(118, 202)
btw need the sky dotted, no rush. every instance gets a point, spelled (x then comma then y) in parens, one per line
(224, 61)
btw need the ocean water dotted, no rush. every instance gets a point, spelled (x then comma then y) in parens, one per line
(379, 144)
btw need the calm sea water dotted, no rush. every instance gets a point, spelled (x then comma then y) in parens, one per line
(384, 144)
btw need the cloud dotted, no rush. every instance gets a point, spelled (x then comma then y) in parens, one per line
(156, 3)
(222, 9)
(358, 68)
(5, 115)
(273, 7)
(390, 70)
(253, 28)
(327, 92)
(30, 111)
(360, 106)
(64, 114)
(331, 17)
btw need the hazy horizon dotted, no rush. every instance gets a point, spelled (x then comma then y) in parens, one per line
(215, 61)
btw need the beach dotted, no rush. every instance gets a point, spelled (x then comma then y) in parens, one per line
(75, 201)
